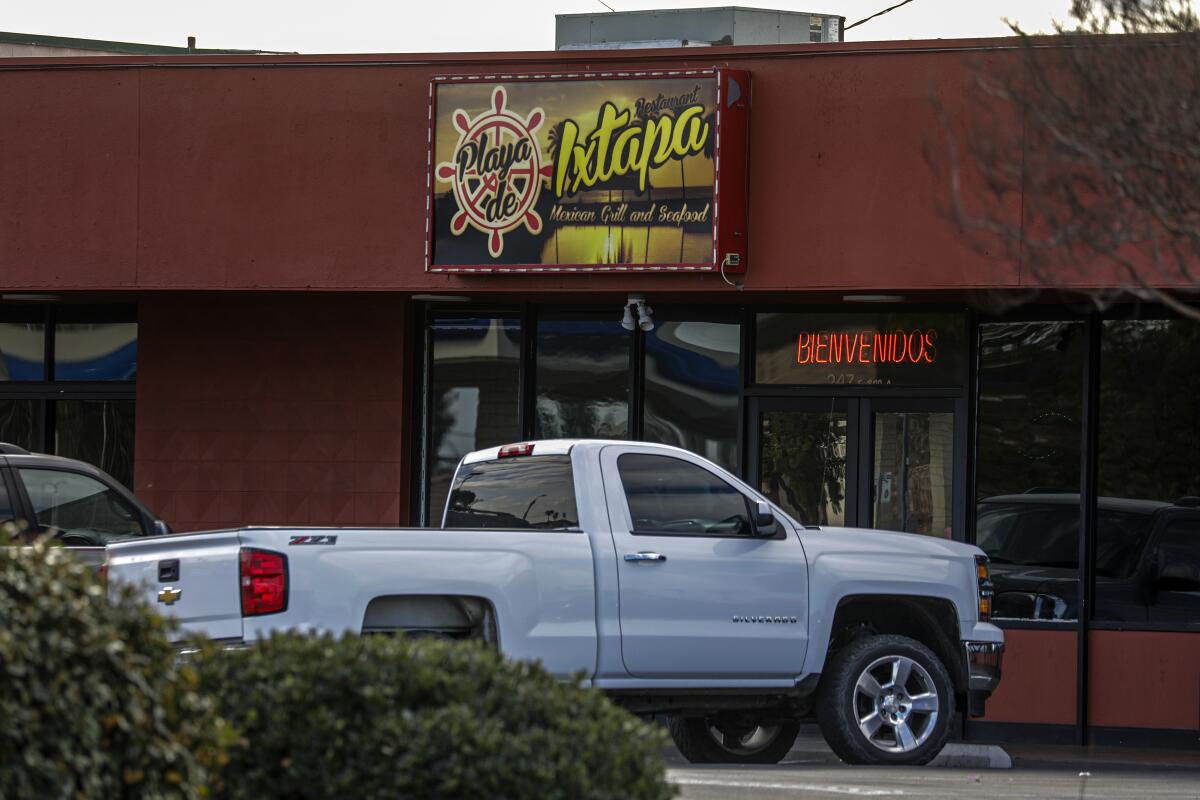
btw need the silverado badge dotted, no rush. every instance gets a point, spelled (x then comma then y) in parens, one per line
(169, 594)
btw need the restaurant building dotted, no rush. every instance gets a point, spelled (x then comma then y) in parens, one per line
(296, 289)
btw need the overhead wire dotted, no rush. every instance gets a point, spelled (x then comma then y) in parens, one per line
(873, 16)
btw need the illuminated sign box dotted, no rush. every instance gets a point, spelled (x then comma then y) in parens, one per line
(895, 349)
(588, 172)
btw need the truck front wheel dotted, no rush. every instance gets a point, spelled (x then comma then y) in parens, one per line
(729, 740)
(885, 700)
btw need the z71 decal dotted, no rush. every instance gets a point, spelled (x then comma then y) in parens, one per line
(313, 540)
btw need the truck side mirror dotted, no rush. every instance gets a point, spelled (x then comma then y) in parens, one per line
(764, 520)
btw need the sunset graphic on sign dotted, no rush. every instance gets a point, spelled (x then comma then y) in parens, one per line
(574, 172)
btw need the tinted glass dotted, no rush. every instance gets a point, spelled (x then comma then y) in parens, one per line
(522, 492)
(890, 349)
(95, 343)
(803, 463)
(1029, 416)
(582, 379)
(22, 343)
(670, 496)
(1175, 585)
(9, 532)
(99, 432)
(691, 388)
(474, 394)
(914, 472)
(1149, 438)
(19, 423)
(78, 509)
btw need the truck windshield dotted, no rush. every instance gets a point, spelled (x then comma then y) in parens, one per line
(523, 492)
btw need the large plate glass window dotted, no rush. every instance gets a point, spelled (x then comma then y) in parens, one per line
(582, 379)
(475, 379)
(67, 377)
(1147, 554)
(1027, 464)
(692, 370)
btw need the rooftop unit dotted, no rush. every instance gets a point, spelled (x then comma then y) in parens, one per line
(693, 27)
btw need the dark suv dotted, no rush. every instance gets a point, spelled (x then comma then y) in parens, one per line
(80, 505)
(1147, 559)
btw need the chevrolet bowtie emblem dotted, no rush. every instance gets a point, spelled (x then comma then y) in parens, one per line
(169, 595)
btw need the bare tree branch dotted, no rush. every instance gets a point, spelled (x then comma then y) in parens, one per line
(1096, 142)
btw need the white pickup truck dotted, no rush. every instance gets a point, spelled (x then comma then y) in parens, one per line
(669, 583)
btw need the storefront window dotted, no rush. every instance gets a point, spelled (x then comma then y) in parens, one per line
(94, 344)
(1148, 522)
(582, 379)
(19, 423)
(22, 343)
(475, 395)
(1027, 464)
(61, 406)
(99, 432)
(691, 388)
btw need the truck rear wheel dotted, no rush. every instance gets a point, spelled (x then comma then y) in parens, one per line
(726, 740)
(885, 700)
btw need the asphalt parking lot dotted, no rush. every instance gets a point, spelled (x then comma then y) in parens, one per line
(811, 771)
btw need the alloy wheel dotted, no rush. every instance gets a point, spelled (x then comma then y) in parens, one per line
(896, 704)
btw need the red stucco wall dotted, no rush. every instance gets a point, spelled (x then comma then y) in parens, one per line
(279, 410)
(298, 172)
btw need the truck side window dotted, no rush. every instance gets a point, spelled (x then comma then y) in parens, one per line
(523, 492)
(78, 509)
(671, 496)
(9, 531)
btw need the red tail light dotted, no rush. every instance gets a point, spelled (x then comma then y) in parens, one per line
(511, 450)
(264, 581)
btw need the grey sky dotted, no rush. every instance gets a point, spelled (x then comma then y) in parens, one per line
(405, 26)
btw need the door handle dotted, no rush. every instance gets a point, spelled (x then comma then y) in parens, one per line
(644, 556)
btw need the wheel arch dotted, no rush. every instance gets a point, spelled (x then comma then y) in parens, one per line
(452, 616)
(933, 621)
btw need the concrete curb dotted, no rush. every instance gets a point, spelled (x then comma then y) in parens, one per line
(972, 756)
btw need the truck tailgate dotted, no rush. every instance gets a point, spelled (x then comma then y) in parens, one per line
(192, 577)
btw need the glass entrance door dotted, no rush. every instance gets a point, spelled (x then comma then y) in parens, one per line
(860, 462)
(803, 458)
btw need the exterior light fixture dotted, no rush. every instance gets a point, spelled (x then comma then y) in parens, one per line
(644, 320)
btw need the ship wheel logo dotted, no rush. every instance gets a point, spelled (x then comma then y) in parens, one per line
(496, 172)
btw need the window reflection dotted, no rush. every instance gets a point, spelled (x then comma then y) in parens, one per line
(515, 493)
(691, 388)
(1149, 429)
(1027, 464)
(475, 382)
(22, 344)
(99, 432)
(19, 423)
(582, 379)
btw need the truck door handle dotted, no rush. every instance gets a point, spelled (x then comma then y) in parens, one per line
(644, 556)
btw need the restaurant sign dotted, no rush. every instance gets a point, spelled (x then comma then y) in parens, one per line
(588, 172)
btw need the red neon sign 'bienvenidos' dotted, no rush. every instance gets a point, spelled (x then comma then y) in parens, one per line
(867, 347)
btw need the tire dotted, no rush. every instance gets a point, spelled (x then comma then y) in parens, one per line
(865, 721)
(716, 740)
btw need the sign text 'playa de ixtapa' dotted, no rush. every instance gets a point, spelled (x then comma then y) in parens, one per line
(588, 172)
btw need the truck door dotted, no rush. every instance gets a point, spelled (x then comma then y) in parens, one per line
(700, 595)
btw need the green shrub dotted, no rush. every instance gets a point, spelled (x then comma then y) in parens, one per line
(383, 717)
(91, 705)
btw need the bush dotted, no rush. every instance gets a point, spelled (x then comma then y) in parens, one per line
(91, 704)
(383, 717)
